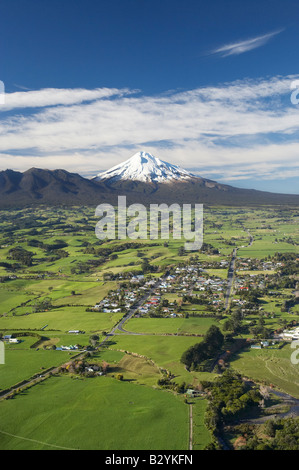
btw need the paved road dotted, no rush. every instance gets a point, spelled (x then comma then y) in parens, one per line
(129, 315)
(230, 278)
(231, 271)
(250, 237)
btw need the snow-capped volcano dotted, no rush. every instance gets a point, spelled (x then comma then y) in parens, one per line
(146, 168)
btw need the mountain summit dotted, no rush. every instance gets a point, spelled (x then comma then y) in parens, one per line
(146, 168)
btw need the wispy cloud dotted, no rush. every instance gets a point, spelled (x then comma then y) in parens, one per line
(239, 129)
(244, 46)
(54, 97)
(22, 87)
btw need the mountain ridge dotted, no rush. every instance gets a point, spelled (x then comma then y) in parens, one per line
(37, 186)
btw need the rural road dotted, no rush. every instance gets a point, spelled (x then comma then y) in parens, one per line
(250, 237)
(230, 278)
(129, 315)
(231, 271)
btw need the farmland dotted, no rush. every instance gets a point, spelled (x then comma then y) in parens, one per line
(90, 423)
(63, 294)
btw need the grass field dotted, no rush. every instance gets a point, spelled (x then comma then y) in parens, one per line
(22, 364)
(201, 437)
(270, 366)
(165, 351)
(136, 413)
(63, 319)
(191, 325)
(11, 300)
(100, 413)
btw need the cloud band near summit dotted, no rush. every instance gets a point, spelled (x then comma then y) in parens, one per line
(248, 127)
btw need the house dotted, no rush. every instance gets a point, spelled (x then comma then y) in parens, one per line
(193, 393)
(290, 335)
(7, 337)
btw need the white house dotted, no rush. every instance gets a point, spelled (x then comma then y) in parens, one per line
(290, 335)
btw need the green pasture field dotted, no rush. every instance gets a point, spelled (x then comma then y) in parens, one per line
(22, 364)
(104, 414)
(171, 297)
(191, 325)
(58, 339)
(57, 288)
(165, 351)
(201, 437)
(136, 369)
(108, 355)
(90, 296)
(221, 273)
(194, 308)
(11, 300)
(63, 319)
(135, 413)
(265, 247)
(270, 366)
(18, 292)
(133, 368)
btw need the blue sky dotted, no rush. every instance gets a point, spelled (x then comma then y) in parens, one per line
(205, 85)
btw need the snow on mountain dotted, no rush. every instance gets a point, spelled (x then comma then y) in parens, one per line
(146, 168)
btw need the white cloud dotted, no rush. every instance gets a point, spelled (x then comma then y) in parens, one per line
(57, 96)
(241, 129)
(244, 46)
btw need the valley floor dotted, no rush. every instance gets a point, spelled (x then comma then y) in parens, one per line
(94, 332)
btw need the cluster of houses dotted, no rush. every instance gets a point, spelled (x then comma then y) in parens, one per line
(245, 283)
(249, 280)
(152, 302)
(125, 298)
(254, 264)
(111, 303)
(195, 278)
(190, 280)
